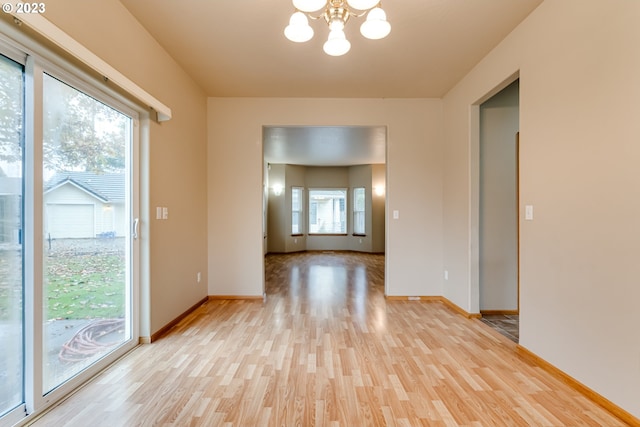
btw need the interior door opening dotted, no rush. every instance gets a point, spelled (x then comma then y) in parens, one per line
(498, 211)
(305, 169)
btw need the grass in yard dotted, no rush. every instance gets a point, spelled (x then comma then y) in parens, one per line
(85, 286)
(85, 280)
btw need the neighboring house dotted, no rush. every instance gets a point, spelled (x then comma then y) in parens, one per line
(10, 193)
(84, 205)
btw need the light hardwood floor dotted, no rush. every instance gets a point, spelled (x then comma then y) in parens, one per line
(327, 349)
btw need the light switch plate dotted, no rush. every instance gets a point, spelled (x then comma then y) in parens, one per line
(528, 212)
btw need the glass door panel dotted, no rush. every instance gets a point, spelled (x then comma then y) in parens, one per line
(86, 225)
(11, 253)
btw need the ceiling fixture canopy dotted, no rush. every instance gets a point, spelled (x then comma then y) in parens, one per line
(336, 13)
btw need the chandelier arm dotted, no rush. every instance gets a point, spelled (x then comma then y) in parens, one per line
(356, 15)
(364, 12)
(331, 3)
(315, 18)
(309, 15)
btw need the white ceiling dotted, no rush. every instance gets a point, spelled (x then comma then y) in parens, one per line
(238, 49)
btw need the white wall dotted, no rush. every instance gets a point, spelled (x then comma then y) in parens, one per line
(578, 64)
(414, 186)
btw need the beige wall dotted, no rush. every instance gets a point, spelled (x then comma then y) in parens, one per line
(578, 64)
(295, 177)
(278, 223)
(361, 176)
(414, 185)
(378, 179)
(176, 151)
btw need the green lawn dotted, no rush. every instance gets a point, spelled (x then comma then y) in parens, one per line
(80, 286)
(85, 286)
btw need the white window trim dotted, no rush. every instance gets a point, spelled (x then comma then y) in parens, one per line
(301, 218)
(363, 212)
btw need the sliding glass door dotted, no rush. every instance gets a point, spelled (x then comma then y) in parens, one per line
(11, 250)
(86, 222)
(68, 248)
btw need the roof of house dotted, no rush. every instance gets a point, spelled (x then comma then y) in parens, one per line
(108, 187)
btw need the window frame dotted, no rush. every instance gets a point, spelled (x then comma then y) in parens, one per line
(299, 212)
(359, 212)
(16, 414)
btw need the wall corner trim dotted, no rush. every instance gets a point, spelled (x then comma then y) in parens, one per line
(231, 297)
(173, 323)
(435, 298)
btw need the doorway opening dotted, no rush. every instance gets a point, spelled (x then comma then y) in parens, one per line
(498, 266)
(324, 189)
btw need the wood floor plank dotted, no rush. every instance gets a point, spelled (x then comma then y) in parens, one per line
(326, 349)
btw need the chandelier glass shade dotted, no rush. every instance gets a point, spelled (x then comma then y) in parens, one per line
(336, 14)
(298, 30)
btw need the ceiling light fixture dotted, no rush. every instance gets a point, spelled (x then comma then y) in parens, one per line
(336, 13)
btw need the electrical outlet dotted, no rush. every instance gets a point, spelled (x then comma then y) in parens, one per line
(199, 276)
(446, 275)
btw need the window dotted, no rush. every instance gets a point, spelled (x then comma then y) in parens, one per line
(296, 210)
(11, 250)
(327, 211)
(86, 289)
(359, 211)
(68, 300)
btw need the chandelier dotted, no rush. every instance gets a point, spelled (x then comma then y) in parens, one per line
(336, 13)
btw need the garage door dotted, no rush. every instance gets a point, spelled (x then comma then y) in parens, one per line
(70, 221)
